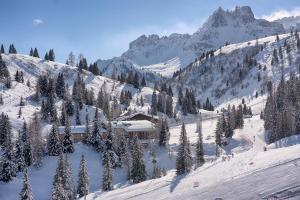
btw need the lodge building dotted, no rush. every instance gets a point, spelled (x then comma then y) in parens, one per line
(141, 125)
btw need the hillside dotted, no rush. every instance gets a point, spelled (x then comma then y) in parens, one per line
(240, 70)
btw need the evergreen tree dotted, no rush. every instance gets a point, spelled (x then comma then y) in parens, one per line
(62, 184)
(219, 135)
(71, 59)
(184, 159)
(19, 154)
(51, 55)
(26, 192)
(4, 73)
(46, 57)
(7, 164)
(31, 52)
(138, 170)
(26, 145)
(199, 145)
(54, 145)
(60, 86)
(2, 49)
(5, 130)
(36, 53)
(107, 184)
(83, 179)
(154, 104)
(143, 83)
(37, 143)
(12, 49)
(78, 121)
(164, 135)
(67, 142)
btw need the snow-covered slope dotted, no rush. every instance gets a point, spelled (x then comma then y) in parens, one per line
(33, 67)
(240, 70)
(290, 23)
(276, 170)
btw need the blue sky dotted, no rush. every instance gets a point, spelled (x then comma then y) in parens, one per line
(104, 28)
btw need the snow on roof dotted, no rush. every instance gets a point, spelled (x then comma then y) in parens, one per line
(124, 117)
(137, 125)
(77, 129)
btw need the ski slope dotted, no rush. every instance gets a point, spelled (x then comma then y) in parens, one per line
(275, 170)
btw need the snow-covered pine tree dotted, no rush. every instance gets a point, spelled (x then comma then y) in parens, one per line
(154, 103)
(95, 137)
(138, 169)
(19, 154)
(83, 179)
(5, 130)
(7, 164)
(219, 135)
(60, 86)
(67, 141)
(163, 134)
(78, 121)
(63, 177)
(107, 179)
(58, 192)
(199, 145)
(26, 145)
(53, 142)
(26, 192)
(297, 120)
(184, 159)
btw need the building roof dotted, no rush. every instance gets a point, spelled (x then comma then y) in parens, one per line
(77, 129)
(134, 126)
(126, 117)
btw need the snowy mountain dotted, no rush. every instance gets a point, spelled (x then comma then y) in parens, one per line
(290, 23)
(221, 27)
(241, 69)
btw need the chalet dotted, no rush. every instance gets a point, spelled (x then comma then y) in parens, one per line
(78, 132)
(139, 116)
(145, 130)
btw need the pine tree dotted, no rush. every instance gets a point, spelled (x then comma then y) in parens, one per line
(78, 121)
(7, 164)
(54, 145)
(58, 191)
(31, 52)
(107, 184)
(26, 145)
(199, 145)
(143, 83)
(2, 49)
(46, 57)
(71, 59)
(19, 154)
(36, 53)
(164, 135)
(138, 170)
(67, 142)
(4, 73)
(83, 179)
(37, 143)
(5, 130)
(62, 184)
(154, 104)
(219, 135)
(184, 158)
(26, 192)
(51, 55)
